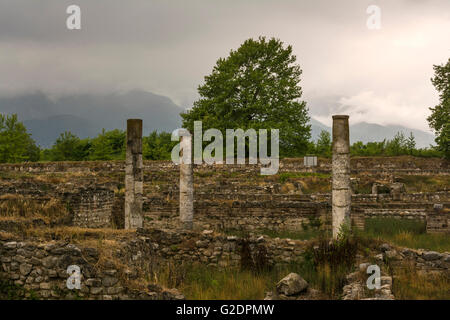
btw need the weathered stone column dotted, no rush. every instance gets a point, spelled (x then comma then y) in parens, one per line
(341, 188)
(186, 181)
(134, 175)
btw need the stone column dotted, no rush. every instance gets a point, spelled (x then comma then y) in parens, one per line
(341, 188)
(186, 181)
(134, 175)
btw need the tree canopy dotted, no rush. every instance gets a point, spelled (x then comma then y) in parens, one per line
(256, 86)
(16, 144)
(439, 119)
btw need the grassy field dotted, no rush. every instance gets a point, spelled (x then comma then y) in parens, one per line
(405, 233)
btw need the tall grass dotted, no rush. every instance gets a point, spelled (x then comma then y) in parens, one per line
(12, 205)
(408, 284)
(201, 282)
(324, 266)
(407, 233)
(329, 262)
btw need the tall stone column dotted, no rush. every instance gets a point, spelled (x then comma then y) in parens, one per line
(134, 176)
(341, 188)
(186, 181)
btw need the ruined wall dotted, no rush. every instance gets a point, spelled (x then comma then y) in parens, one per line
(229, 202)
(239, 214)
(218, 250)
(386, 165)
(40, 271)
(90, 207)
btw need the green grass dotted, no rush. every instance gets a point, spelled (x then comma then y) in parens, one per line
(392, 226)
(200, 282)
(406, 233)
(285, 176)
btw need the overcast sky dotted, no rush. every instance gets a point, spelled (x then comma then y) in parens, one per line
(168, 46)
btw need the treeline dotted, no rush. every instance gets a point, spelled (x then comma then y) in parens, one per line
(398, 146)
(16, 145)
(108, 145)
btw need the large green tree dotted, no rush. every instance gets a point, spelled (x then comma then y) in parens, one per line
(16, 144)
(256, 86)
(439, 119)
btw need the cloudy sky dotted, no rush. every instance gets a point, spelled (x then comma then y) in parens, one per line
(168, 46)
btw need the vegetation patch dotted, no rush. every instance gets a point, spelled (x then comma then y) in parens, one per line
(409, 284)
(420, 183)
(406, 233)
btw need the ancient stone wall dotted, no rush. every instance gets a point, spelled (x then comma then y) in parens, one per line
(92, 208)
(218, 250)
(386, 165)
(89, 207)
(228, 203)
(39, 271)
(438, 222)
(240, 214)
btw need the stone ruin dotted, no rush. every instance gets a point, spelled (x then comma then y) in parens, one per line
(232, 203)
(174, 224)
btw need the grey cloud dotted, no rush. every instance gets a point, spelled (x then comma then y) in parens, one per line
(167, 47)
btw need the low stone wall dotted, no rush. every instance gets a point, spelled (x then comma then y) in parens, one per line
(423, 260)
(387, 165)
(217, 250)
(39, 270)
(241, 215)
(410, 214)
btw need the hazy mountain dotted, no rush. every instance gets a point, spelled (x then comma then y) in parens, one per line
(45, 131)
(86, 115)
(316, 128)
(366, 132)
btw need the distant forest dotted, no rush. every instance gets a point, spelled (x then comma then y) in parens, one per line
(16, 145)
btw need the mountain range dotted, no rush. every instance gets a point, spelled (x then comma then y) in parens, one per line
(367, 132)
(86, 114)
